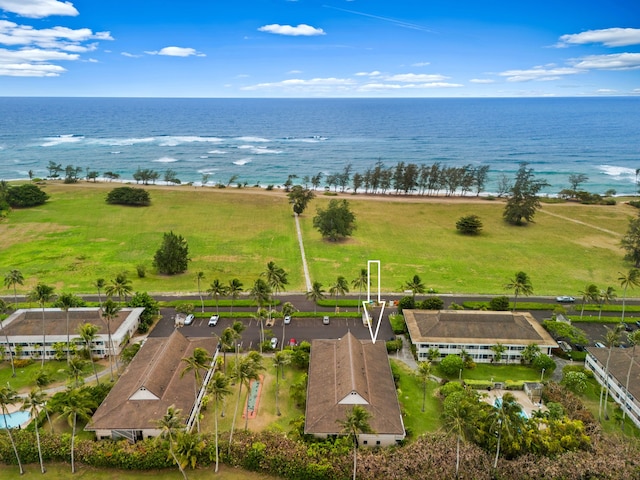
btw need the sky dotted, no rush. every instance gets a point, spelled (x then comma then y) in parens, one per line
(319, 48)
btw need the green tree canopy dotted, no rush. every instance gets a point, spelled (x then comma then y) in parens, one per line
(300, 197)
(630, 243)
(27, 195)
(469, 225)
(173, 255)
(129, 196)
(523, 201)
(335, 222)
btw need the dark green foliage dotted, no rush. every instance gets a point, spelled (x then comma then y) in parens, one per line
(129, 196)
(173, 256)
(151, 309)
(27, 195)
(335, 222)
(406, 302)
(573, 334)
(394, 346)
(451, 365)
(432, 303)
(631, 242)
(544, 362)
(499, 304)
(523, 201)
(469, 225)
(300, 197)
(129, 352)
(74, 301)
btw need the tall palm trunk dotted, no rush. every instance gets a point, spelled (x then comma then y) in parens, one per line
(626, 386)
(235, 416)
(175, 459)
(215, 412)
(6, 339)
(73, 438)
(13, 443)
(42, 469)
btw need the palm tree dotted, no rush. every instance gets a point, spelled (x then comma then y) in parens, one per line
(356, 422)
(360, 282)
(530, 352)
(611, 339)
(507, 421)
(316, 294)
(120, 286)
(74, 369)
(110, 310)
(88, 333)
(199, 360)
(32, 403)
(341, 287)
(170, 424)
(280, 359)
(260, 316)
(3, 308)
(77, 404)
(42, 293)
(520, 284)
(219, 388)
(605, 297)
(589, 294)
(424, 373)
(415, 285)
(633, 338)
(287, 310)
(199, 278)
(630, 279)
(247, 369)
(498, 350)
(260, 293)
(9, 396)
(458, 409)
(276, 278)
(67, 301)
(11, 279)
(233, 290)
(100, 284)
(217, 290)
(41, 380)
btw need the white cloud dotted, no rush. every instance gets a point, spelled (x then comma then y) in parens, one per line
(130, 55)
(408, 86)
(375, 73)
(30, 70)
(33, 55)
(539, 74)
(618, 61)
(176, 52)
(38, 8)
(57, 37)
(294, 72)
(413, 77)
(610, 37)
(482, 80)
(421, 64)
(300, 30)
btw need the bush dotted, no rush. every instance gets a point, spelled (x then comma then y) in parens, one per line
(394, 345)
(398, 325)
(469, 225)
(136, 197)
(499, 304)
(27, 195)
(173, 255)
(432, 303)
(406, 302)
(451, 365)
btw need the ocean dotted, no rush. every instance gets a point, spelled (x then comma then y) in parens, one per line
(263, 141)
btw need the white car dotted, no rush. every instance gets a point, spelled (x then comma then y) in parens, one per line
(287, 319)
(274, 343)
(190, 318)
(565, 299)
(213, 321)
(325, 320)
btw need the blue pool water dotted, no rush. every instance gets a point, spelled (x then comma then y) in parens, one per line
(523, 414)
(14, 419)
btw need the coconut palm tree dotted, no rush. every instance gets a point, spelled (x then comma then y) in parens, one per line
(280, 359)
(589, 294)
(288, 309)
(170, 425)
(633, 338)
(233, 290)
(11, 279)
(498, 350)
(219, 388)
(415, 285)
(9, 396)
(66, 301)
(630, 279)
(199, 278)
(247, 369)
(110, 310)
(507, 421)
(32, 403)
(42, 293)
(88, 333)
(459, 408)
(260, 293)
(341, 287)
(76, 404)
(316, 294)
(424, 373)
(276, 279)
(120, 286)
(356, 422)
(3, 308)
(520, 284)
(611, 340)
(360, 282)
(217, 290)
(100, 284)
(605, 297)
(41, 380)
(199, 360)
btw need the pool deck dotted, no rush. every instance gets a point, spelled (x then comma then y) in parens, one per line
(523, 399)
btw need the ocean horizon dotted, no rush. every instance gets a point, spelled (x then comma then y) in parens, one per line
(263, 141)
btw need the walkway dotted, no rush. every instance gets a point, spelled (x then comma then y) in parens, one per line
(305, 267)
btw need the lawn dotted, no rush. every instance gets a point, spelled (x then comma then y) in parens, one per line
(25, 376)
(501, 373)
(235, 232)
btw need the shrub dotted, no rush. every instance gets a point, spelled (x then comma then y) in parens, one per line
(432, 303)
(469, 225)
(141, 270)
(137, 197)
(406, 302)
(499, 304)
(27, 195)
(398, 325)
(451, 365)
(173, 255)
(394, 345)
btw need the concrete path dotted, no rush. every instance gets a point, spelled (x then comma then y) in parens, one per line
(305, 267)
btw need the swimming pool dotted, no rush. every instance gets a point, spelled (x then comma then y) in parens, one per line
(498, 402)
(14, 419)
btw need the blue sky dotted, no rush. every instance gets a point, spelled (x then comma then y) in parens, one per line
(324, 48)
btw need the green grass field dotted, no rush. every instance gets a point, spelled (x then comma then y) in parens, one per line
(76, 237)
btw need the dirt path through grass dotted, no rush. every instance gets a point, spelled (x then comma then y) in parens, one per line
(569, 219)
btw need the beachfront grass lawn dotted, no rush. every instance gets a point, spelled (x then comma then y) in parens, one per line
(499, 373)
(59, 471)
(76, 237)
(410, 397)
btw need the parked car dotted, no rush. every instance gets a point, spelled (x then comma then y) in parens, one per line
(638, 324)
(627, 327)
(213, 321)
(274, 343)
(190, 318)
(564, 346)
(565, 299)
(325, 320)
(287, 319)
(292, 342)
(599, 345)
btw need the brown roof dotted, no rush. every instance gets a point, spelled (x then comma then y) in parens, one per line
(619, 366)
(477, 327)
(348, 370)
(154, 371)
(29, 322)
